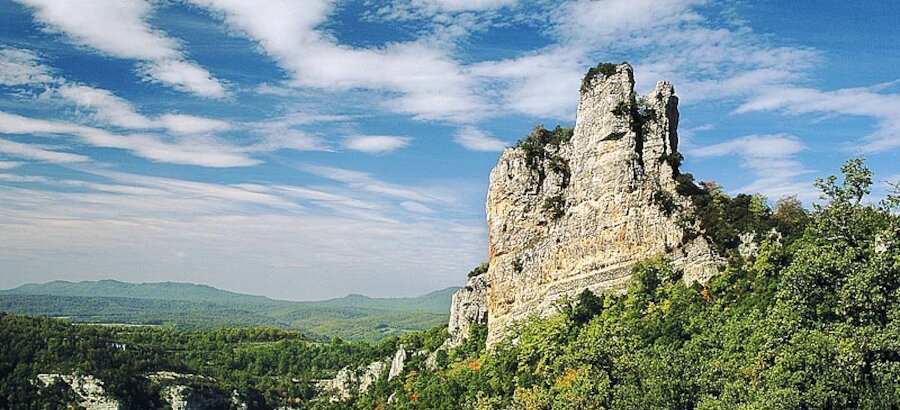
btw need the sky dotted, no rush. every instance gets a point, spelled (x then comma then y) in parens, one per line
(310, 149)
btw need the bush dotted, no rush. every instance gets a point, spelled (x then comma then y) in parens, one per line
(604, 69)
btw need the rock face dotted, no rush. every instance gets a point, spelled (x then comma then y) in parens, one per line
(183, 391)
(88, 389)
(468, 307)
(397, 363)
(574, 211)
(348, 380)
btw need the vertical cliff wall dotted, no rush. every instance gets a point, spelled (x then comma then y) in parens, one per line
(569, 211)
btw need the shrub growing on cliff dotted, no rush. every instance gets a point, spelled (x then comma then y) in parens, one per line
(479, 270)
(605, 69)
(809, 325)
(555, 206)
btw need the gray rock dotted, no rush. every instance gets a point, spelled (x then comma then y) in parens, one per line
(608, 183)
(397, 363)
(88, 389)
(468, 307)
(348, 380)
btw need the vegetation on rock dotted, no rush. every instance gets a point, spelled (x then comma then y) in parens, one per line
(811, 319)
(813, 323)
(604, 69)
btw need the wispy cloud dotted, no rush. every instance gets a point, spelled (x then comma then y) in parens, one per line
(19, 67)
(773, 160)
(37, 153)
(376, 144)
(862, 102)
(431, 84)
(196, 151)
(119, 28)
(367, 183)
(477, 140)
(103, 106)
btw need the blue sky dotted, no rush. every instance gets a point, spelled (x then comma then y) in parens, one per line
(309, 149)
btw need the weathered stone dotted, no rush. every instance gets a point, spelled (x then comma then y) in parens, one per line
(468, 307)
(610, 183)
(348, 380)
(88, 389)
(397, 363)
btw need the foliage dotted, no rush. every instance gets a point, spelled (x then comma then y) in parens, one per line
(555, 206)
(480, 269)
(808, 324)
(665, 201)
(536, 145)
(196, 307)
(543, 146)
(604, 69)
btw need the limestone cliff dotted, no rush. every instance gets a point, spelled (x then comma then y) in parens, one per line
(569, 211)
(468, 307)
(88, 390)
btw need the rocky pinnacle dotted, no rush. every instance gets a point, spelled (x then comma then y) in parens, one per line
(574, 211)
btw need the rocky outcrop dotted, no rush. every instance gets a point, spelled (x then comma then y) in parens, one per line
(88, 389)
(397, 363)
(569, 211)
(468, 307)
(182, 397)
(185, 391)
(349, 381)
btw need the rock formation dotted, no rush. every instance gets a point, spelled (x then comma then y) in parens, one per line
(349, 380)
(397, 363)
(574, 210)
(88, 389)
(468, 307)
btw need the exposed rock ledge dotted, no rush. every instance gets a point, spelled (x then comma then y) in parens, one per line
(578, 212)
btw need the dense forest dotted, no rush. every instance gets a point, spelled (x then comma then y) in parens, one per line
(807, 318)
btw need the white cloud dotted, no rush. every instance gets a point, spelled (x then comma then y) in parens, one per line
(38, 153)
(196, 151)
(434, 6)
(771, 158)
(9, 164)
(130, 225)
(376, 144)
(103, 106)
(431, 84)
(183, 76)
(754, 146)
(22, 67)
(23, 178)
(477, 140)
(416, 207)
(119, 28)
(365, 182)
(190, 124)
(863, 102)
(106, 107)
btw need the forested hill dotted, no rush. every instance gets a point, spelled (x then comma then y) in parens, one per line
(192, 306)
(434, 302)
(161, 290)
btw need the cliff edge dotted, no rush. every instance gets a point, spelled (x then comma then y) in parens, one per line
(570, 210)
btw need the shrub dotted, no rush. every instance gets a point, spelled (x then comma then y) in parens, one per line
(480, 269)
(555, 206)
(604, 69)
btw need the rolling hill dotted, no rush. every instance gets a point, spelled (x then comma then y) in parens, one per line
(193, 306)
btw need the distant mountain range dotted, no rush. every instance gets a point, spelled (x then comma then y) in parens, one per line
(193, 306)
